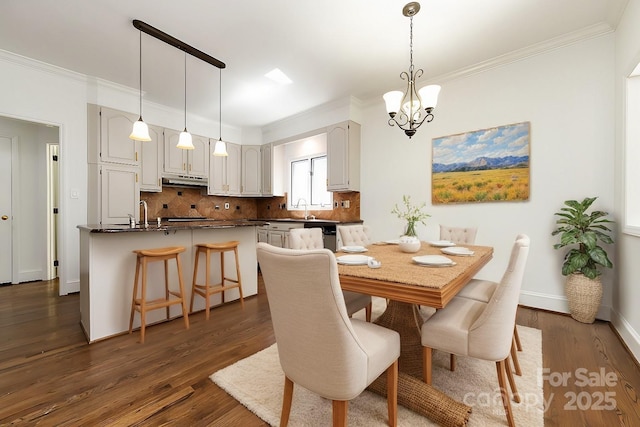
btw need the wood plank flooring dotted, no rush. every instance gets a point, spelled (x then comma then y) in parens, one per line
(49, 375)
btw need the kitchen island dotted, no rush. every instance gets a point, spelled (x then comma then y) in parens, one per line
(107, 269)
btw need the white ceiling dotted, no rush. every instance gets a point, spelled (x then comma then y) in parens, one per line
(331, 49)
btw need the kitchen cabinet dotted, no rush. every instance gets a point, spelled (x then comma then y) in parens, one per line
(277, 233)
(185, 162)
(343, 157)
(224, 172)
(267, 169)
(114, 193)
(251, 170)
(151, 159)
(112, 143)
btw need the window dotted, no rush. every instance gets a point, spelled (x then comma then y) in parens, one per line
(631, 155)
(308, 184)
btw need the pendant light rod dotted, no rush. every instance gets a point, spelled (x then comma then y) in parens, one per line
(170, 40)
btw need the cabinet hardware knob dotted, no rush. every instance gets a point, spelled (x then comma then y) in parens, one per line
(4, 217)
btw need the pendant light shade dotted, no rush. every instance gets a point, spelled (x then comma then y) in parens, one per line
(140, 129)
(185, 142)
(220, 148)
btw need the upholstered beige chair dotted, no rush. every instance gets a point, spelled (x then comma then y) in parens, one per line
(465, 235)
(482, 330)
(320, 348)
(311, 238)
(482, 290)
(353, 235)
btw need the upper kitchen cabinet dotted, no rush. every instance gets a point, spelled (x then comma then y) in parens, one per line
(185, 162)
(267, 169)
(109, 136)
(251, 170)
(224, 172)
(151, 161)
(343, 157)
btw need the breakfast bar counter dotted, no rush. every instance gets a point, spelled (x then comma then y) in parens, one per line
(107, 268)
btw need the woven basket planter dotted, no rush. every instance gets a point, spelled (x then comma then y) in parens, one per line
(584, 296)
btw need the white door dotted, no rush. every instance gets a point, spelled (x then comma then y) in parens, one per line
(5, 210)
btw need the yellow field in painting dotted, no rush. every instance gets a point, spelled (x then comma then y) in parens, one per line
(495, 185)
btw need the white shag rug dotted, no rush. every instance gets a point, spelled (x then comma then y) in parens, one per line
(258, 383)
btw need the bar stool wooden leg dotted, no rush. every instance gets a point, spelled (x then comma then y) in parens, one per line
(143, 300)
(235, 251)
(135, 293)
(193, 282)
(183, 302)
(222, 277)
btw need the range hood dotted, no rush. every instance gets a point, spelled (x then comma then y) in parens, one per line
(184, 181)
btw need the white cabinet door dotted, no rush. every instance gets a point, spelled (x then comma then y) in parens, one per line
(115, 145)
(198, 158)
(267, 168)
(234, 168)
(276, 238)
(263, 235)
(120, 193)
(343, 157)
(151, 161)
(251, 170)
(175, 159)
(217, 175)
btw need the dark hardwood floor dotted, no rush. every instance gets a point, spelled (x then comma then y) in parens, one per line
(49, 375)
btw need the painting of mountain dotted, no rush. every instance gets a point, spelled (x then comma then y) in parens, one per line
(487, 165)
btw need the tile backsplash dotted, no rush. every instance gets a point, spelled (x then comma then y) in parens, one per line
(194, 202)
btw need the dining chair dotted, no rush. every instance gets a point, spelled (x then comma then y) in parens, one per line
(481, 330)
(320, 348)
(458, 234)
(311, 238)
(482, 290)
(353, 235)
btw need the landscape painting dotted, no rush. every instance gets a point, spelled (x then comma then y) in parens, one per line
(488, 165)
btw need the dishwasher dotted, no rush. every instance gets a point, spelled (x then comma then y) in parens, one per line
(328, 233)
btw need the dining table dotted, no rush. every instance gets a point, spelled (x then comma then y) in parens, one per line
(413, 288)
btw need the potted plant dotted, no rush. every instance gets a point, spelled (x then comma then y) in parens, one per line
(582, 231)
(409, 242)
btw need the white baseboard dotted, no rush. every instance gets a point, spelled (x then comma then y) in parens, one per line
(69, 287)
(557, 303)
(30, 275)
(629, 335)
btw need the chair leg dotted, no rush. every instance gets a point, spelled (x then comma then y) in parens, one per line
(166, 287)
(514, 357)
(501, 368)
(135, 294)
(367, 311)
(517, 337)
(193, 282)
(426, 364)
(286, 402)
(183, 301)
(512, 383)
(452, 362)
(340, 413)
(143, 301)
(392, 394)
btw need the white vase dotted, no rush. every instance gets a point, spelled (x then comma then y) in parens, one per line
(409, 244)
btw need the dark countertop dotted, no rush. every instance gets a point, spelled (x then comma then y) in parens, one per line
(169, 226)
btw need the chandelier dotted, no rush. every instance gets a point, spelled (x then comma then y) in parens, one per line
(410, 109)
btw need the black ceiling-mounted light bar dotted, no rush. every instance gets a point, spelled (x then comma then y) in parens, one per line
(170, 40)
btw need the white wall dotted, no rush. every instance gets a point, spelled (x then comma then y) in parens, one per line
(625, 313)
(566, 94)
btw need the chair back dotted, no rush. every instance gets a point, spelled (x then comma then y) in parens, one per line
(458, 234)
(491, 334)
(306, 238)
(354, 235)
(317, 344)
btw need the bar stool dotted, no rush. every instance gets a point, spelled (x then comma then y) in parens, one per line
(143, 257)
(225, 283)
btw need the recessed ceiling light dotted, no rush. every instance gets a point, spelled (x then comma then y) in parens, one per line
(278, 76)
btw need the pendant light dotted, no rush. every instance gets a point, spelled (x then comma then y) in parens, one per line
(410, 109)
(140, 130)
(220, 148)
(185, 141)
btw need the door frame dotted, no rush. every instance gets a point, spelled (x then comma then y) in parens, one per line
(53, 201)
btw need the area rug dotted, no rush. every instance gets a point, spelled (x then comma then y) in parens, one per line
(257, 382)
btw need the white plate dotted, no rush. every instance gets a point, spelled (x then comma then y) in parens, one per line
(442, 243)
(457, 250)
(433, 260)
(353, 259)
(354, 249)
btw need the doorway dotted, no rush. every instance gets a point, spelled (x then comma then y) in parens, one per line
(29, 234)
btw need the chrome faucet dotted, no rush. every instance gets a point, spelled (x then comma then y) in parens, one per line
(144, 206)
(306, 208)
